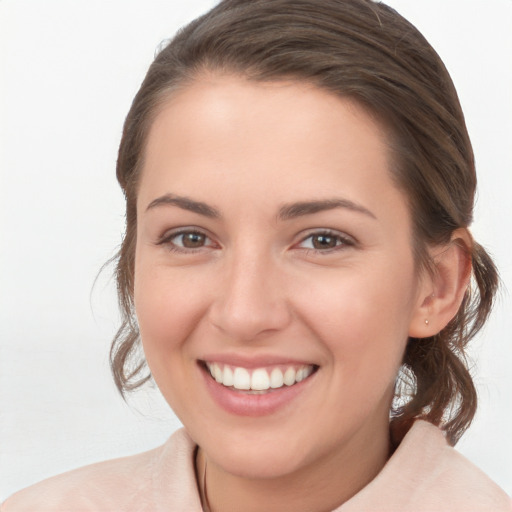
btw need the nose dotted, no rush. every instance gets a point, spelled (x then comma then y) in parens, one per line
(251, 299)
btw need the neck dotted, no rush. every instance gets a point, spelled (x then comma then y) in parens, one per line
(321, 486)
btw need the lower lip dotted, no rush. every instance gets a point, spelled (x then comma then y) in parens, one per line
(245, 404)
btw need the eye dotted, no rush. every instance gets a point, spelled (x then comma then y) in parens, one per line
(326, 241)
(190, 240)
(185, 240)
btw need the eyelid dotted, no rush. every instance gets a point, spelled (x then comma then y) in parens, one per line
(345, 239)
(167, 237)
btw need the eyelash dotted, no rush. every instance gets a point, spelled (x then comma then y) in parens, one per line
(342, 241)
(168, 240)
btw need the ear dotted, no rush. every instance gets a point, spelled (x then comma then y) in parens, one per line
(441, 292)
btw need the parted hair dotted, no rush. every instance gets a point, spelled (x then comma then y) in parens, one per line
(365, 51)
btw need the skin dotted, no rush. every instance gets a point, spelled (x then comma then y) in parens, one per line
(255, 284)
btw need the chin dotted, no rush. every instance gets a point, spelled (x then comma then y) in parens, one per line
(258, 463)
(258, 453)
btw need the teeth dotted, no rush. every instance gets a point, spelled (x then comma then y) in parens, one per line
(241, 379)
(308, 370)
(289, 377)
(227, 376)
(260, 379)
(217, 374)
(276, 378)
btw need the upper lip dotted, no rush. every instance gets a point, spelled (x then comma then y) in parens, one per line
(254, 361)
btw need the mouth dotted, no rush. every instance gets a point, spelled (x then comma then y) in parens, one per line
(259, 380)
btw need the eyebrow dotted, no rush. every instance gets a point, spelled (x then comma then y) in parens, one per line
(186, 204)
(286, 212)
(293, 210)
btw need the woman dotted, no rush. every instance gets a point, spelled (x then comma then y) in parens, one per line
(299, 183)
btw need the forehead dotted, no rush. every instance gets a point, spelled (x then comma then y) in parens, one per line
(252, 137)
(224, 104)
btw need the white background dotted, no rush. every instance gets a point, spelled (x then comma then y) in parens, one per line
(69, 70)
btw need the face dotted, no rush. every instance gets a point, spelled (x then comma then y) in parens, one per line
(274, 252)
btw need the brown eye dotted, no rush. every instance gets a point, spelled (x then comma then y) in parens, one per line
(190, 240)
(186, 241)
(324, 241)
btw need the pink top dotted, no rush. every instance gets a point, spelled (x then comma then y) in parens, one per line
(424, 474)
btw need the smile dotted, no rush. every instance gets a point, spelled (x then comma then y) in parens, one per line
(259, 379)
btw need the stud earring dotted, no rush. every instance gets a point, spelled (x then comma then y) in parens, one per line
(426, 321)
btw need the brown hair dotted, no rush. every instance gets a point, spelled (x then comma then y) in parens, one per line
(368, 52)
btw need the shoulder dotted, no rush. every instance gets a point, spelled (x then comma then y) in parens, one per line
(149, 481)
(454, 478)
(425, 474)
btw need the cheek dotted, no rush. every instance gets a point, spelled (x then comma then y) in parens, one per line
(169, 304)
(363, 326)
(363, 316)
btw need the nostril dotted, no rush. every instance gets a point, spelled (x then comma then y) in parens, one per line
(245, 319)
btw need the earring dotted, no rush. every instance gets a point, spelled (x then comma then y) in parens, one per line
(426, 321)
